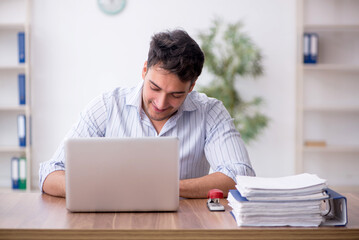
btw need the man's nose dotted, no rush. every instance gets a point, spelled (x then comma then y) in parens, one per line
(162, 101)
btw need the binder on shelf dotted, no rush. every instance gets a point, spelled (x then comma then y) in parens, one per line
(310, 48)
(306, 50)
(313, 48)
(21, 130)
(22, 173)
(15, 172)
(22, 89)
(21, 46)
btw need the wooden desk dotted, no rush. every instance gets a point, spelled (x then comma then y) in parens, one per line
(39, 216)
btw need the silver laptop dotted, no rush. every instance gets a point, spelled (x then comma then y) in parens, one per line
(122, 174)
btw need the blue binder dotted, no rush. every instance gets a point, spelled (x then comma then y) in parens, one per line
(310, 48)
(22, 89)
(22, 173)
(306, 48)
(337, 214)
(21, 130)
(15, 172)
(21, 45)
(237, 195)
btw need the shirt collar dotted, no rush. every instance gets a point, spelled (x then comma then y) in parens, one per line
(134, 97)
(188, 104)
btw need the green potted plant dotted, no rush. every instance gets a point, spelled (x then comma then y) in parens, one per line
(230, 56)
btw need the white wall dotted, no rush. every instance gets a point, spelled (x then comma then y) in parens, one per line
(79, 52)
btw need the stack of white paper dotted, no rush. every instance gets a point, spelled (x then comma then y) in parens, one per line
(286, 201)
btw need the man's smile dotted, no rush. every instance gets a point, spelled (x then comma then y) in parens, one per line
(157, 109)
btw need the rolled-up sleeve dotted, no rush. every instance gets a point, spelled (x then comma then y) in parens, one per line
(56, 163)
(224, 148)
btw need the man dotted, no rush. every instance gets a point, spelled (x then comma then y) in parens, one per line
(163, 104)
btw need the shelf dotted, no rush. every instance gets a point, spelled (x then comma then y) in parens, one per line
(15, 18)
(331, 27)
(12, 149)
(332, 67)
(327, 92)
(12, 26)
(14, 67)
(332, 109)
(332, 149)
(20, 109)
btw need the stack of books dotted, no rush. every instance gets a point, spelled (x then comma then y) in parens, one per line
(286, 201)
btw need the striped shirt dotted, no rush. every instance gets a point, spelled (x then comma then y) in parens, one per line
(207, 136)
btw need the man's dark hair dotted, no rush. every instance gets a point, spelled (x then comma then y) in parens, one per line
(176, 52)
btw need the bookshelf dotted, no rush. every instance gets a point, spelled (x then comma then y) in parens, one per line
(327, 92)
(14, 18)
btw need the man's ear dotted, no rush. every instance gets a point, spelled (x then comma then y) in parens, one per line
(144, 70)
(192, 86)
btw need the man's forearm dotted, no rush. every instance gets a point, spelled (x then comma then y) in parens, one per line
(54, 184)
(199, 187)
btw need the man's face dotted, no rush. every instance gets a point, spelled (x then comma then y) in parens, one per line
(163, 93)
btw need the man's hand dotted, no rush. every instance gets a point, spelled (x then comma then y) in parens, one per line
(199, 187)
(54, 184)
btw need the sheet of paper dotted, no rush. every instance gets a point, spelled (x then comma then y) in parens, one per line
(304, 180)
(286, 201)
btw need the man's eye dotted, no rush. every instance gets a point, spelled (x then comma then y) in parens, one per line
(177, 95)
(154, 89)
